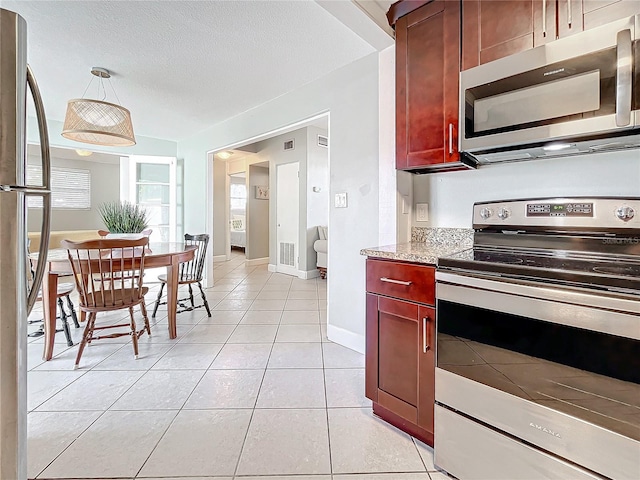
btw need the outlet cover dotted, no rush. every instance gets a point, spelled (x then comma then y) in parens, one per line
(422, 212)
(341, 200)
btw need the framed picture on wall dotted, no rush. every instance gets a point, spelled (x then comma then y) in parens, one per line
(262, 192)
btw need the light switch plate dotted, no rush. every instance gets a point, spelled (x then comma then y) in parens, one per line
(341, 200)
(422, 212)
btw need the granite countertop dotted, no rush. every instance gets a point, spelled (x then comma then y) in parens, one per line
(427, 245)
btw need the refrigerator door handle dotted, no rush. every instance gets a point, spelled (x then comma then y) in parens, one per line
(45, 228)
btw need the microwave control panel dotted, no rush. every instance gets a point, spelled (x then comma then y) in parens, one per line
(560, 210)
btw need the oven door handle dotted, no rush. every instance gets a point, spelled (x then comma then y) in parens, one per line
(600, 313)
(624, 80)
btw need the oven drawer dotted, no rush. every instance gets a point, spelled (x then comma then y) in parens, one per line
(401, 280)
(601, 450)
(471, 451)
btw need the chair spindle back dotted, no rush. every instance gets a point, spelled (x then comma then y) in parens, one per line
(108, 273)
(193, 269)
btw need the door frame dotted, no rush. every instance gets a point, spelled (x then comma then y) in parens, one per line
(209, 270)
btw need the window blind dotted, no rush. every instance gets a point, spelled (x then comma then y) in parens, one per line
(70, 187)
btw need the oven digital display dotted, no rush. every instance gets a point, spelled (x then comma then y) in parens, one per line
(560, 210)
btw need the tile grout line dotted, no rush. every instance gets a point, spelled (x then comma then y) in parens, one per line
(70, 444)
(326, 403)
(178, 412)
(253, 410)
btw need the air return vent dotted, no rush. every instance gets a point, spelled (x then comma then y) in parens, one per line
(288, 145)
(287, 254)
(323, 141)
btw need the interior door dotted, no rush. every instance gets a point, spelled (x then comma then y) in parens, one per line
(287, 217)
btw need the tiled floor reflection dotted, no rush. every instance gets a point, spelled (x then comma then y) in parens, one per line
(254, 392)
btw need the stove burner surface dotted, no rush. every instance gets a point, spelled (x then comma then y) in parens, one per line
(617, 270)
(497, 258)
(590, 272)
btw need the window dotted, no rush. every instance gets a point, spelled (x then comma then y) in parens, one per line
(153, 189)
(151, 182)
(238, 195)
(70, 187)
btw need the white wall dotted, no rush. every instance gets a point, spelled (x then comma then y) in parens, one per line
(220, 225)
(390, 179)
(105, 187)
(350, 94)
(317, 201)
(451, 195)
(258, 214)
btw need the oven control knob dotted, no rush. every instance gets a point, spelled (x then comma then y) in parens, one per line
(504, 213)
(486, 213)
(625, 213)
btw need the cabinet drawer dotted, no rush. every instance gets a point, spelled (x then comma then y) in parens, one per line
(401, 280)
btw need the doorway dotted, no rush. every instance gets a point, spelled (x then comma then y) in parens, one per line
(238, 214)
(258, 214)
(287, 217)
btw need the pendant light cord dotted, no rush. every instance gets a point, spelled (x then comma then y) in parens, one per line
(114, 91)
(104, 90)
(88, 85)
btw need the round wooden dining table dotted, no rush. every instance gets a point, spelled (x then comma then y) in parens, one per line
(157, 254)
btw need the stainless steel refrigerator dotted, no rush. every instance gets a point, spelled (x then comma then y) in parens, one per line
(17, 291)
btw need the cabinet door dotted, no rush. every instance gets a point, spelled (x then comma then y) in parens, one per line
(427, 71)
(393, 332)
(494, 29)
(578, 15)
(426, 368)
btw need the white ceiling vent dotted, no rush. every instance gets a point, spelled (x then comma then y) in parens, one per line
(288, 145)
(323, 141)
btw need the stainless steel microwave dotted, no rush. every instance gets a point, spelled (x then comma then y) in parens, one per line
(578, 94)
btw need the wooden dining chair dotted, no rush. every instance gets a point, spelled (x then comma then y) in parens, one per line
(190, 273)
(108, 275)
(64, 292)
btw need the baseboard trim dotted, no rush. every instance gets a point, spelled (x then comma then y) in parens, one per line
(219, 258)
(346, 338)
(257, 261)
(306, 275)
(272, 268)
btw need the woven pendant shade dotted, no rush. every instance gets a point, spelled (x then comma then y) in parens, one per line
(98, 123)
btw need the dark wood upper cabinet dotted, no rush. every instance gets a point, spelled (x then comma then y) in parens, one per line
(427, 71)
(578, 15)
(494, 29)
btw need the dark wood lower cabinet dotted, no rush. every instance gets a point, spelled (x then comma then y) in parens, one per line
(400, 363)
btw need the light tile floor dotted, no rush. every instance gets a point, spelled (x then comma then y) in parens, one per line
(254, 392)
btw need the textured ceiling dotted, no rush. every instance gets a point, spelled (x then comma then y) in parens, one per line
(181, 66)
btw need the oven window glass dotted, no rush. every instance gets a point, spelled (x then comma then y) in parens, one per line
(590, 375)
(578, 88)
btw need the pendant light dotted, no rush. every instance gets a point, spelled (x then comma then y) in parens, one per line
(98, 122)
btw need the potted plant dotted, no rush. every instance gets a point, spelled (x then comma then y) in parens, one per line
(124, 219)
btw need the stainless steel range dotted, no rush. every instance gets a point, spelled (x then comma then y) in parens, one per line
(538, 343)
